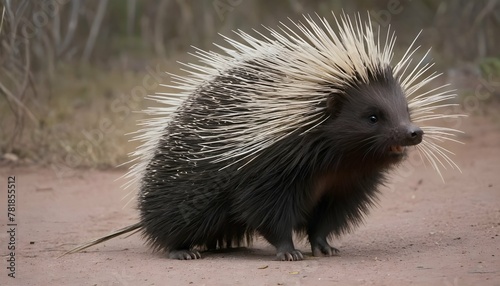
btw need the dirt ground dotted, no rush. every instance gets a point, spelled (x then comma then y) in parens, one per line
(424, 232)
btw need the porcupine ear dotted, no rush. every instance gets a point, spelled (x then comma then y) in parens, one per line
(334, 103)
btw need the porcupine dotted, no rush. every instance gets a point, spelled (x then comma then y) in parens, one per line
(290, 132)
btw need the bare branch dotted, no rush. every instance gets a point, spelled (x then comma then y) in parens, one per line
(131, 10)
(56, 28)
(12, 97)
(1, 21)
(159, 43)
(94, 30)
(73, 23)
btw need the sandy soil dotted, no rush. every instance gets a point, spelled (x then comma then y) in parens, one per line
(424, 232)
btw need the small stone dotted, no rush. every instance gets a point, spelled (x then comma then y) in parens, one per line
(10, 157)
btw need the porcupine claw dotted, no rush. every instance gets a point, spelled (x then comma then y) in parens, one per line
(184, 254)
(322, 248)
(294, 255)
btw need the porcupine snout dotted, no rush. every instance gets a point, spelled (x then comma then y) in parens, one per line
(406, 135)
(410, 135)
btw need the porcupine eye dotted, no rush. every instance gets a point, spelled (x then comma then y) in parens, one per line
(373, 119)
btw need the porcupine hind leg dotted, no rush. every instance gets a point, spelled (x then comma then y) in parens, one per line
(286, 250)
(184, 254)
(281, 238)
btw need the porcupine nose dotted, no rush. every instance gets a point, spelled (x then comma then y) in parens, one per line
(413, 135)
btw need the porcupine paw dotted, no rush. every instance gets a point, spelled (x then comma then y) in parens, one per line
(294, 255)
(322, 248)
(184, 254)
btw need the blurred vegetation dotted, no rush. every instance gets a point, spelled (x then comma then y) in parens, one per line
(71, 70)
(490, 67)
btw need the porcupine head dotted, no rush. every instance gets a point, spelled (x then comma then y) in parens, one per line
(299, 127)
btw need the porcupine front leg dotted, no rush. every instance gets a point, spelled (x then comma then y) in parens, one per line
(321, 224)
(320, 246)
(339, 211)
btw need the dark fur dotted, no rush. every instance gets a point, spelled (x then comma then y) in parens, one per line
(320, 183)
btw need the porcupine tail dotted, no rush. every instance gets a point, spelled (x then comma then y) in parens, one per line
(131, 228)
